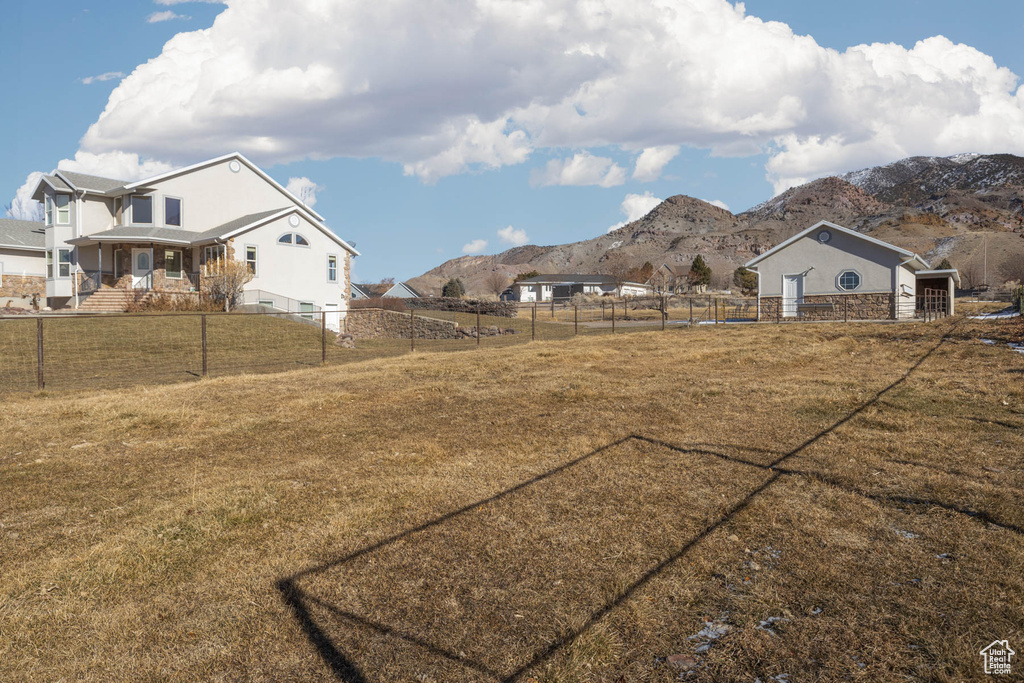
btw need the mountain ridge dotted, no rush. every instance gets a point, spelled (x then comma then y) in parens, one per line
(939, 207)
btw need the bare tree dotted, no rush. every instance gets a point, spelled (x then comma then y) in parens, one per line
(496, 282)
(971, 275)
(225, 279)
(388, 281)
(1012, 269)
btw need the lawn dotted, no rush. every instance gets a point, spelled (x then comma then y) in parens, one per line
(829, 502)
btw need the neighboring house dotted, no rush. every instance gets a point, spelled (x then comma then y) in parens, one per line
(399, 290)
(671, 279)
(160, 234)
(22, 262)
(828, 270)
(546, 287)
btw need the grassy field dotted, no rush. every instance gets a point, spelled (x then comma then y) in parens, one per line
(830, 502)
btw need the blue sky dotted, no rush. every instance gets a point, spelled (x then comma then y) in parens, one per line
(471, 119)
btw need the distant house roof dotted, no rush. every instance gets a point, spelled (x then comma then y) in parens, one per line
(892, 247)
(569, 279)
(361, 291)
(25, 235)
(396, 291)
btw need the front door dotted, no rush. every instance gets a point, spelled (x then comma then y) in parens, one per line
(792, 294)
(142, 269)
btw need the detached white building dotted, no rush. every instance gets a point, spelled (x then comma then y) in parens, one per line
(829, 272)
(546, 287)
(159, 234)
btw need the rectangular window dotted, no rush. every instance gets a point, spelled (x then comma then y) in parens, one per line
(332, 268)
(142, 209)
(172, 264)
(63, 263)
(307, 309)
(49, 263)
(212, 254)
(63, 203)
(172, 211)
(250, 258)
(49, 210)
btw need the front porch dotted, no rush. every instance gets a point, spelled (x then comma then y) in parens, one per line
(110, 276)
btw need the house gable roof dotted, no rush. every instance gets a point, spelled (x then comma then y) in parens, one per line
(779, 247)
(145, 182)
(252, 221)
(24, 235)
(401, 285)
(92, 183)
(361, 290)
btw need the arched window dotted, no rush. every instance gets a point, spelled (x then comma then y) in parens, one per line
(293, 238)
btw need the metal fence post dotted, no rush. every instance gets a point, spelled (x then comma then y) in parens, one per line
(533, 322)
(576, 319)
(478, 325)
(846, 309)
(40, 382)
(204, 344)
(323, 336)
(412, 329)
(664, 313)
(613, 316)
(716, 310)
(691, 310)
(552, 303)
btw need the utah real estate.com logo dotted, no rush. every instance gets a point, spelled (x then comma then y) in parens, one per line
(997, 657)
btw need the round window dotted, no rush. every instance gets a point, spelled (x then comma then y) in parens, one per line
(849, 280)
(293, 221)
(824, 236)
(235, 166)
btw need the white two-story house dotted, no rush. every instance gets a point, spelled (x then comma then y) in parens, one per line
(159, 234)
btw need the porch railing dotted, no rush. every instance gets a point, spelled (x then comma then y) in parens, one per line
(89, 281)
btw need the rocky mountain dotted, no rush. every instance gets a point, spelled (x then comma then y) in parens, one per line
(941, 207)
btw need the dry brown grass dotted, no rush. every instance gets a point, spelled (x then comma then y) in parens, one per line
(565, 511)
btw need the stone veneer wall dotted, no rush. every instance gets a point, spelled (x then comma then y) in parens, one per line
(376, 323)
(160, 280)
(23, 286)
(855, 306)
(504, 309)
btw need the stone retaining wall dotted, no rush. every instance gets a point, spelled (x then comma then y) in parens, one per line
(504, 309)
(853, 306)
(376, 323)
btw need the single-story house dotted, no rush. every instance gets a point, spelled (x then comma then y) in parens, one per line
(22, 263)
(564, 286)
(828, 272)
(399, 290)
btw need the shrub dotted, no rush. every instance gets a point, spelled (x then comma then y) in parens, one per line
(224, 281)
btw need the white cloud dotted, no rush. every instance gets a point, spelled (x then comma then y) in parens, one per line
(717, 202)
(182, 2)
(474, 247)
(635, 207)
(581, 169)
(651, 162)
(305, 189)
(513, 236)
(166, 15)
(503, 79)
(108, 76)
(23, 207)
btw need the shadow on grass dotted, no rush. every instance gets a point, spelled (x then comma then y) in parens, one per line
(302, 601)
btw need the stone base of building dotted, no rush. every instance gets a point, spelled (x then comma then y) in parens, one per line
(20, 289)
(843, 307)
